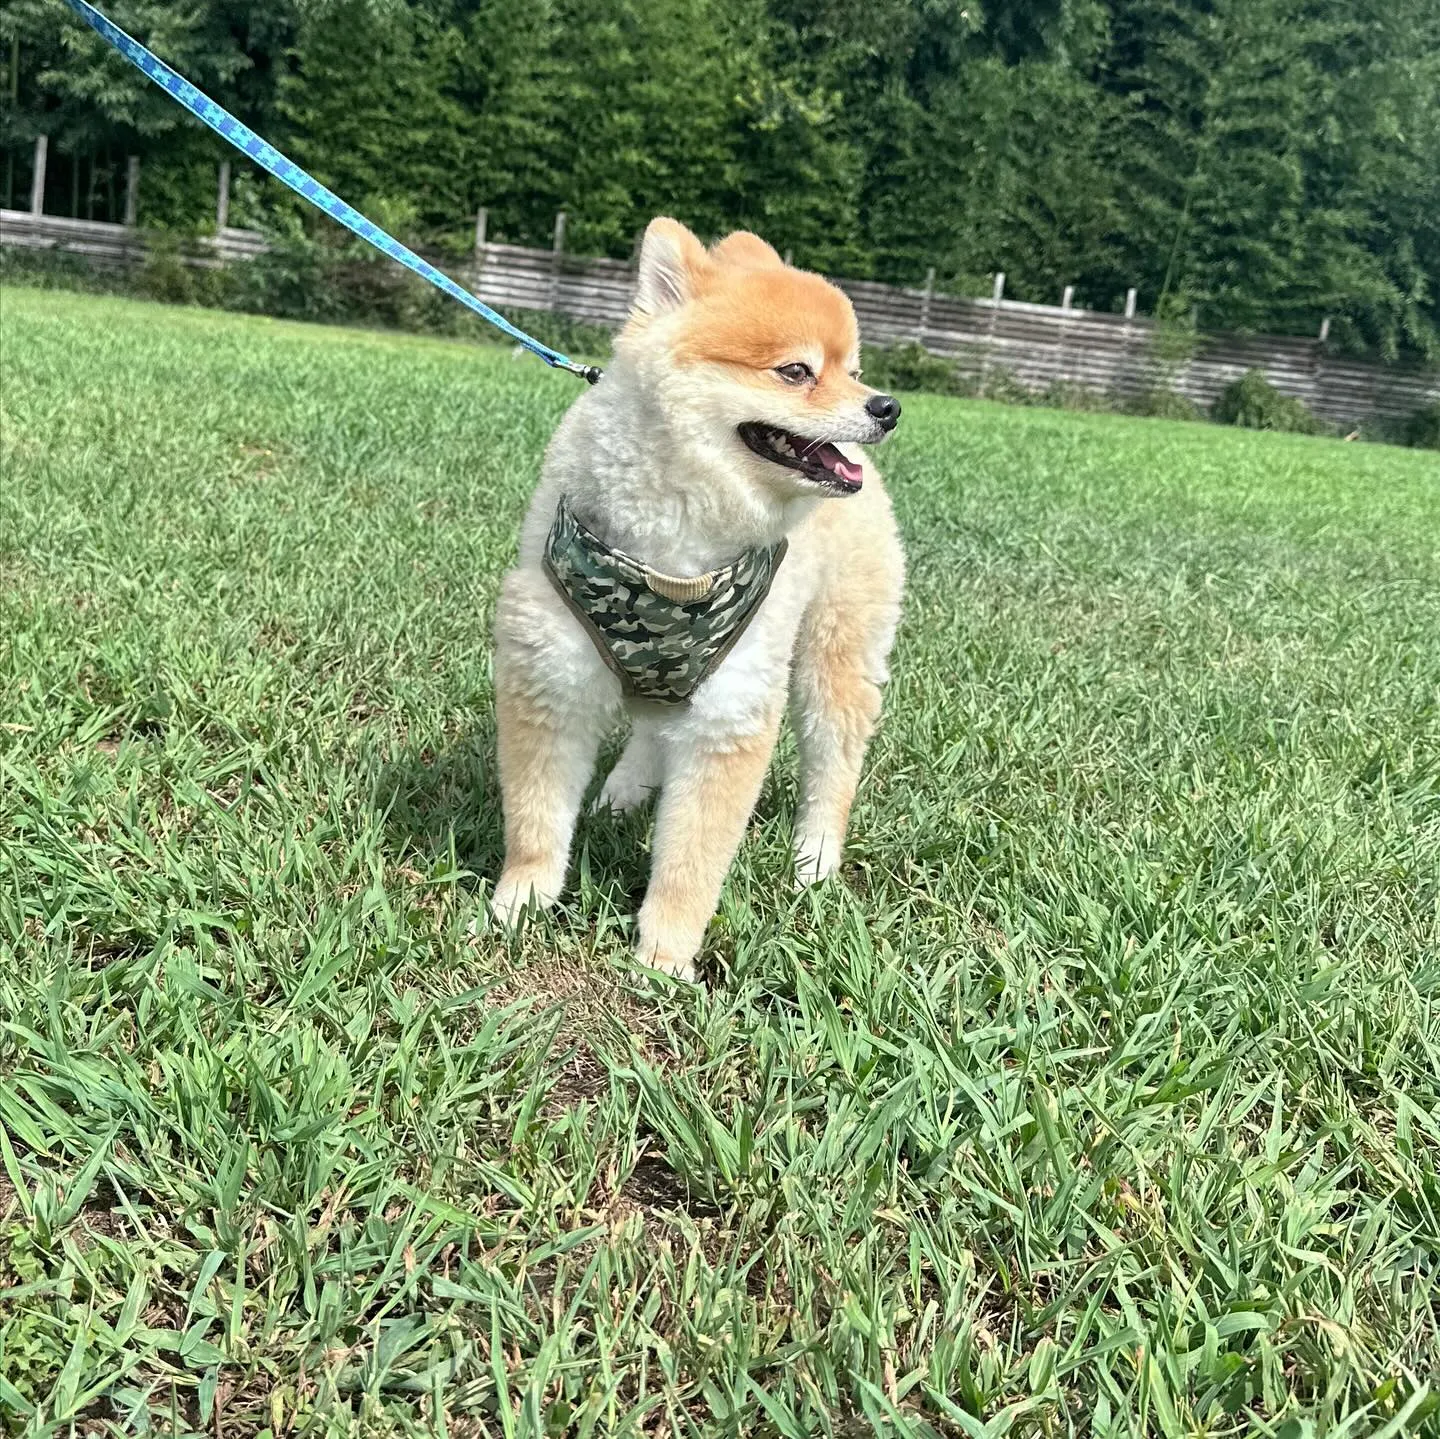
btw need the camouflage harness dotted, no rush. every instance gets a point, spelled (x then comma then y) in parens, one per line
(660, 634)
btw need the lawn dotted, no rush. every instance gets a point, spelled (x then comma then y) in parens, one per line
(1102, 1096)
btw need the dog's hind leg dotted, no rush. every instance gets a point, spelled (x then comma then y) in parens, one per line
(835, 701)
(637, 773)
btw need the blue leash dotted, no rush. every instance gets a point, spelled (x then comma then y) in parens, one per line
(269, 158)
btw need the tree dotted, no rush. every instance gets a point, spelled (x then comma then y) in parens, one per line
(1262, 163)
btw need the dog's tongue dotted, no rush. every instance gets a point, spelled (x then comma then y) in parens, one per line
(848, 470)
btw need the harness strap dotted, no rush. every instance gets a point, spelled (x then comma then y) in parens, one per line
(289, 173)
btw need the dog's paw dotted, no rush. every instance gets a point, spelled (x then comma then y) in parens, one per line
(673, 965)
(517, 895)
(817, 857)
(667, 940)
(621, 795)
(635, 777)
(666, 949)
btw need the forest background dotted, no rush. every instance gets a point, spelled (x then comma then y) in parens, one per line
(1248, 164)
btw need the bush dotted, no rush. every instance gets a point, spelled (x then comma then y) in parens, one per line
(561, 332)
(1253, 403)
(1422, 429)
(56, 270)
(164, 274)
(911, 367)
(1002, 386)
(1164, 404)
(300, 279)
(294, 279)
(1067, 395)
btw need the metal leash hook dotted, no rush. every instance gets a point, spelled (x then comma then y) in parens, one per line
(244, 139)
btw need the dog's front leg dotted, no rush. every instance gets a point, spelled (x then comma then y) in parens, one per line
(545, 763)
(554, 702)
(710, 789)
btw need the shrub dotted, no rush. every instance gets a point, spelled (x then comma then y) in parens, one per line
(1422, 429)
(1067, 395)
(911, 367)
(163, 274)
(1002, 385)
(1253, 403)
(560, 332)
(288, 280)
(1163, 404)
(57, 270)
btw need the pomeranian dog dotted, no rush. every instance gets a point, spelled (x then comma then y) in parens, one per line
(706, 537)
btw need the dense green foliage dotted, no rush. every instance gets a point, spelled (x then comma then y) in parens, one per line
(1100, 1096)
(1253, 403)
(1261, 162)
(1423, 429)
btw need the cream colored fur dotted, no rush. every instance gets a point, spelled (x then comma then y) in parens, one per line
(650, 459)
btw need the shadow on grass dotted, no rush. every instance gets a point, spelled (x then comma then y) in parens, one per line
(443, 807)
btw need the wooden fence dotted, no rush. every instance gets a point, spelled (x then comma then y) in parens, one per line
(111, 246)
(1037, 346)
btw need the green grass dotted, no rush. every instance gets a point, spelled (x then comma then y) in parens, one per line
(1101, 1097)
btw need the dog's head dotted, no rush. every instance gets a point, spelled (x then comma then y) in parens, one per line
(754, 357)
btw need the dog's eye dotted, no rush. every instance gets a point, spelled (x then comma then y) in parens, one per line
(795, 374)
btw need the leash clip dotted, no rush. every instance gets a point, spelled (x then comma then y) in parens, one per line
(589, 373)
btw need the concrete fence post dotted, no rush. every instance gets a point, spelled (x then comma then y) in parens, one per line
(222, 198)
(37, 180)
(1316, 396)
(132, 190)
(1062, 333)
(925, 305)
(997, 296)
(1128, 365)
(556, 250)
(477, 257)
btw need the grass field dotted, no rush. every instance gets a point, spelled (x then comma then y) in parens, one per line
(1101, 1097)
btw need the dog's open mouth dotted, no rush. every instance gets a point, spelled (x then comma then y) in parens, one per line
(818, 460)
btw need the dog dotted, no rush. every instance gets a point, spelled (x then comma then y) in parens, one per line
(706, 536)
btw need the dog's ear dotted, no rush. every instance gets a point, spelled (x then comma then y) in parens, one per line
(747, 251)
(672, 261)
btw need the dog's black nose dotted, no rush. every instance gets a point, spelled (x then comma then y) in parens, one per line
(885, 408)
